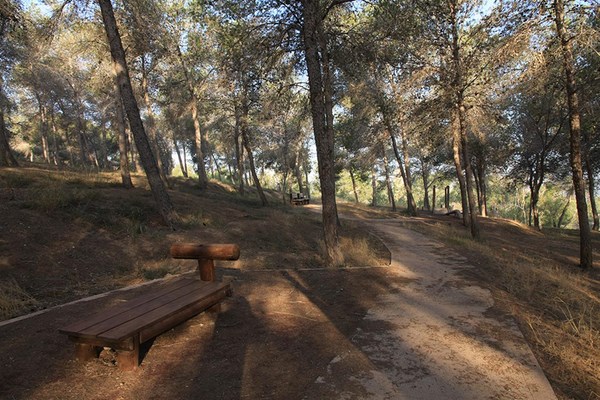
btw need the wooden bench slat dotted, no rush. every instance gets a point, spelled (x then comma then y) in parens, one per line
(125, 306)
(110, 319)
(85, 324)
(180, 316)
(150, 317)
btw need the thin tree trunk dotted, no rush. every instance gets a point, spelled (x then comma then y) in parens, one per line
(135, 158)
(157, 186)
(564, 211)
(469, 181)
(411, 205)
(261, 194)
(591, 184)
(351, 170)
(151, 127)
(239, 151)
(388, 182)
(44, 131)
(67, 137)
(81, 137)
(218, 167)
(373, 187)
(533, 207)
(456, 150)
(298, 173)
(585, 236)
(198, 137)
(122, 135)
(425, 176)
(592, 193)
(482, 188)
(457, 101)
(55, 157)
(178, 152)
(43, 128)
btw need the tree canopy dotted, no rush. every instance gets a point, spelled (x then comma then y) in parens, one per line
(381, 102)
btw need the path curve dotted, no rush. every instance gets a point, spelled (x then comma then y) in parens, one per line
(442, 336)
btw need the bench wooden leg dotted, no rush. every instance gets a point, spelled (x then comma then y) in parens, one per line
(129, 359)
(86, 352)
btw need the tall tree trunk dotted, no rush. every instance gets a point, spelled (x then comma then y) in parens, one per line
(591, 186)
(585, 235)
(83, 150)
(67, 137)
(564, 211)
(81, 136)
(151, 125)
(181, 163)
(44, 132)
(458, 87)
(533, 207)
(198, 136)
(458, 133)
(55, 156)
(7, 159)
(218, 167)
(592, 193)
(43, 127)
(135, 155)
(239, 150)
(157, 186)
(481, 188)
(185, 165)
(411, 205)
(298, 173)
(456, 150)
(425, 176)
(373, 187)
(469, 181)
(319, 82)
(353, 179)
(202, 177)
(122, 135)
(388, 182)
(261, 193)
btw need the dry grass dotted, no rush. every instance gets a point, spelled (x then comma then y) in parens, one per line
(14, 300)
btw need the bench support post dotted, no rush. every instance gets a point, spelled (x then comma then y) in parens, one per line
(129, 359)
(86, 352)
(207, 269)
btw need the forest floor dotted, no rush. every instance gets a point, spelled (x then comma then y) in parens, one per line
(292, 329)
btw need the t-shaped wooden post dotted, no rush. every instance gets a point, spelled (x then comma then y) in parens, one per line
(206, 254)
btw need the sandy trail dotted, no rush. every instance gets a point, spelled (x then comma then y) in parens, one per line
(437, 337)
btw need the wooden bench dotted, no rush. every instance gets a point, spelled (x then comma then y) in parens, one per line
(299, 199)
(125, 326)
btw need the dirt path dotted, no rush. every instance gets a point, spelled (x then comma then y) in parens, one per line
(437, 337)
(417, 329)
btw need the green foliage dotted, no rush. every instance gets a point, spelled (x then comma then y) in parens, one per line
(553, 201)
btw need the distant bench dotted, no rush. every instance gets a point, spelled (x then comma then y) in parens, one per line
(299, 199)
(125, 326)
